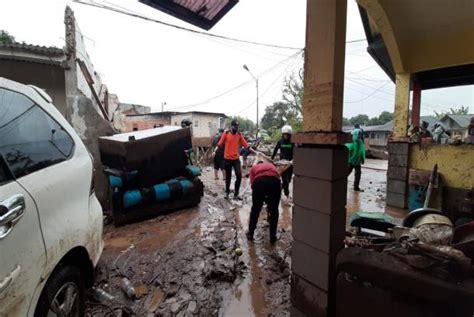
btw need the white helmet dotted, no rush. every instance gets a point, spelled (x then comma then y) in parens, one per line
(287, 129)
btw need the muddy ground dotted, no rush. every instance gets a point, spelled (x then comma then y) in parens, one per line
(185, 264)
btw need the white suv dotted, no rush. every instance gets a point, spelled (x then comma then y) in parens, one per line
(50, 219)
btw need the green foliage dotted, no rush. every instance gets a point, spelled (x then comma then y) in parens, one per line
(363, 119)
(459, 111)
(6, 38)
(246, 125)
(288, 110)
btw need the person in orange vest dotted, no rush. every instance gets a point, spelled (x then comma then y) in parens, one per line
(231, 141)
(266, 188)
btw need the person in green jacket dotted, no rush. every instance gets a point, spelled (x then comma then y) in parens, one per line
(356, 155)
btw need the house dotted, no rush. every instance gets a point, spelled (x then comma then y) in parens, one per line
(120, 116)
(143, 121)
(68, 76)
(457, 125)
(205, 125)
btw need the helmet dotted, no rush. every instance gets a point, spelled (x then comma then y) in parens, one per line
(287, 129)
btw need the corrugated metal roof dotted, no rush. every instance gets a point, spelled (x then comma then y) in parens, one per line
(462, 120)
(36, 49)
(388, 127)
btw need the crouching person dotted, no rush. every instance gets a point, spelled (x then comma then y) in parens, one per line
(266, 188)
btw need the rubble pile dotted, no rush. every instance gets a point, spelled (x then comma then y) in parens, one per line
(186, 278)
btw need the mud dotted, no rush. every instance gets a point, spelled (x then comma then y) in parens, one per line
(184, 263)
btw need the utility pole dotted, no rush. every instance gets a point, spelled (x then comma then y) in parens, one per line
(256, 85)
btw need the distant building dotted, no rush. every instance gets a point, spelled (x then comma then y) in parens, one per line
(143, 121)
(205, 125)
(457, 125)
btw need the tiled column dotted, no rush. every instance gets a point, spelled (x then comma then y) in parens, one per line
(318, 227)
(320, 163)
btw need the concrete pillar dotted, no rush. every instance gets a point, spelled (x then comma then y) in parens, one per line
(320, 164)
(324, 65)
(416, 104)
(402, 104)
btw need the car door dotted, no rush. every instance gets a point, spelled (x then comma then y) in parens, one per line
(22, 248)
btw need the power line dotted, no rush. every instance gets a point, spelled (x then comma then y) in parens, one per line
(238, 86)
(136, 15)
(125, 11)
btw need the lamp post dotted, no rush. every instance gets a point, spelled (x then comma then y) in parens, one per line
(163, 104)
(256, 84)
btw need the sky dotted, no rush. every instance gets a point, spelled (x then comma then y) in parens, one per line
(150, 64)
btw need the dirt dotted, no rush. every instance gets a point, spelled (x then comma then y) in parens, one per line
(185, 264)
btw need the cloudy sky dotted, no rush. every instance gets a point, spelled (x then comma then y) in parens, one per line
(148, 63)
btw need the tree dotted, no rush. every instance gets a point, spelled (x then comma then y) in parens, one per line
(293, 93)
(385, 117)
(361, 119)
(6, 38)
(245, 125)
(289, 110)
(277, 115)
(459, 111)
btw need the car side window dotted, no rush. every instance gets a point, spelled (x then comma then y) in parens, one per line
(29, 138)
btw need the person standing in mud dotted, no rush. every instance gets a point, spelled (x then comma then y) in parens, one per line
(218, 155)
(230, 143)
(266, 188)
(285, 146)
(356, 156)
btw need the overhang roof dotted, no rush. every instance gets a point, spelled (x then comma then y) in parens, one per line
(462, 121)
(32, 53)
(432, 39)
(202, 13)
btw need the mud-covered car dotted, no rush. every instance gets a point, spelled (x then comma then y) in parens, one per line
(50, 218)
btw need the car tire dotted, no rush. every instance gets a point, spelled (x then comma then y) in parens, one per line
(63, 294)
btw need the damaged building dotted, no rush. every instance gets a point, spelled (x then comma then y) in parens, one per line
(68, 76)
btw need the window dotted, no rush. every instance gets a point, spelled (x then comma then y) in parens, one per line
(30, 139)
(135, 127)
(196, 123)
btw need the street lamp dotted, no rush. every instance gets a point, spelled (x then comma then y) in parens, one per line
(163, 104)
(256, 83)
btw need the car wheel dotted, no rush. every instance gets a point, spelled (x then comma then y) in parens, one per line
(63, 295)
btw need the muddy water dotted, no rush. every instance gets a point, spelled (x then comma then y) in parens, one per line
(374, 183)
(253, 296)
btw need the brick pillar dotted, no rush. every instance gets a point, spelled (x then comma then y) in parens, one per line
(397, 174)
(320, 164)
(319, 217)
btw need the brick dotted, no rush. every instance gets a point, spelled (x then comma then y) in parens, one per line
(396, 186)
(397, 160)
(311, 264)
(323, 163)
(321, 231)
(395, 200)
(399, 173)
(398, 148)
(323, 196)
(307, 299)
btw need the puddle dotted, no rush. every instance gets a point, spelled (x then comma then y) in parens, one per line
(249, 297)
(373, 182)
